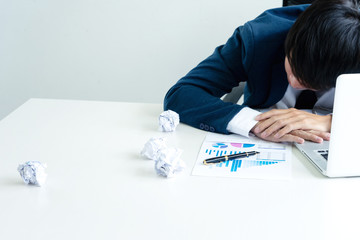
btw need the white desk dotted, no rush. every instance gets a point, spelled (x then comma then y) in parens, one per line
(99, 187)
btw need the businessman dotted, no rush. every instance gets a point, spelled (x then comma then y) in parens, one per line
(281, 55)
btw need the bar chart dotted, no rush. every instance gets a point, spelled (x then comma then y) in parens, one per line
(273, 161)
(265, 158)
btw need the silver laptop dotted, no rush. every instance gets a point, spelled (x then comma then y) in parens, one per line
(338, 157)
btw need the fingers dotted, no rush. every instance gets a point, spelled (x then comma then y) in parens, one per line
(298, 136)
(285, 138)
(281, 124)
(289, 125)
(282, 127)
(272, 113)
(279, 121)
(306, 135)
(323, 135)
(314, 136)
(292, 125)
(289, 138)
(300, 123)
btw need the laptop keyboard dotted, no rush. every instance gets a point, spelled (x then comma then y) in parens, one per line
(324, 153)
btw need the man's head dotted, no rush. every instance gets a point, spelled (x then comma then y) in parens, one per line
(323, 43)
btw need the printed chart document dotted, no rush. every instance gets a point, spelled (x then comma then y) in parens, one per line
(273, 162)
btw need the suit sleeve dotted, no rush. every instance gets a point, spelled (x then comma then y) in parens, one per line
(196, 97)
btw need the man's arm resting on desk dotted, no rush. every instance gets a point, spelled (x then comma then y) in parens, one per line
(283, 121)
(244, 122)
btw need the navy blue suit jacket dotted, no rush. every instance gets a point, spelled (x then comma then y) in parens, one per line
(254, 54)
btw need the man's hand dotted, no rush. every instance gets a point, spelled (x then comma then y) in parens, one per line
(312, 135)
(277, 123)
(285, 138)
(298, 136)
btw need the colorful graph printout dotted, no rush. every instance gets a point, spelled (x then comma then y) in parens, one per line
(273, 162)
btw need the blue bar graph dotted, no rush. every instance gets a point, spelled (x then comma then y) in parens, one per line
(234, 165)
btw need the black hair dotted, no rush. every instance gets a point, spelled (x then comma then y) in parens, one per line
(324, 42)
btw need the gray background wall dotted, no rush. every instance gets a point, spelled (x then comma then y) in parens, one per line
(109, 50)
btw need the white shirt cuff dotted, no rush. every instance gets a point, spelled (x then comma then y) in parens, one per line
(243, 122)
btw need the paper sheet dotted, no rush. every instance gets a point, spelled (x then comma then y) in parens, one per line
(273, 162)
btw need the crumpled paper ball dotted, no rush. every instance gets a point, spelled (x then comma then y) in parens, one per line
(169, 162)
(152, 147)
(168, 121)
(33, 172)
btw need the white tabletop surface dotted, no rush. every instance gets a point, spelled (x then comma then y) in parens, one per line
(99, 187)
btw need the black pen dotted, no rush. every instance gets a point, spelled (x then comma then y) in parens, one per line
(229, 157)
